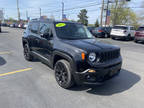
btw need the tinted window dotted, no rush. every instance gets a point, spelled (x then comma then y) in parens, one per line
(44, 28)
(34, 26)
(132, 28)
(140, 28)
(120, 27)
(72, 31)
(91, 28)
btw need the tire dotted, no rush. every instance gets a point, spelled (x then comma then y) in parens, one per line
(106, 35)
(63, 74)
(113, 38)
(129, 37)
(135, 41)
(27, 54)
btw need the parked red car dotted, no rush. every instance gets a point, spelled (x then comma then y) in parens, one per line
(139, 35)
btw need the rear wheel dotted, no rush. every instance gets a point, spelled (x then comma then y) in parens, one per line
(135, 41)
(113, 38)
(27, 54)
(106, 35)
(129, 37)
(63, 74)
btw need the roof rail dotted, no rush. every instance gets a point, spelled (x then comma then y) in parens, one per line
(38, 19)
(35, 19)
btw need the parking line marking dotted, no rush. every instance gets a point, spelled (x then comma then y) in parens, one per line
(9, 73)
(6, 52)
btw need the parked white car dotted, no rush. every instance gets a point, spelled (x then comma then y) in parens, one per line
(123, 32)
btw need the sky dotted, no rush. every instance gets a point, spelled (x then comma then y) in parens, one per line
(53, 8)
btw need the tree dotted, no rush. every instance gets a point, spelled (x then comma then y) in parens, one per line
(122, 15)
(83, 18)
(12, 20)
(97, 23)
(140, 13)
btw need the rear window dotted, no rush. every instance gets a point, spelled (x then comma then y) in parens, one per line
(140, 28)
(120, 27)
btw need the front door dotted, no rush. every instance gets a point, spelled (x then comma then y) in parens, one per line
(46, 44)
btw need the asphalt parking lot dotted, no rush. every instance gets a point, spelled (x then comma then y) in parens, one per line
(32, 84)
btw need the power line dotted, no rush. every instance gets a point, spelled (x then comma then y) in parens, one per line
(77, 7)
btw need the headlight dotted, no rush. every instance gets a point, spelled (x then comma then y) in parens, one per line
(92, 57)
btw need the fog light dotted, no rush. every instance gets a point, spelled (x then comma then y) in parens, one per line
(91, 71)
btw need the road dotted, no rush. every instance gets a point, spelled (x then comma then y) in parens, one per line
(32, 84)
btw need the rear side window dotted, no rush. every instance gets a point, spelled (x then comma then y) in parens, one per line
(34, 27)
(120, 27)
(141, 29)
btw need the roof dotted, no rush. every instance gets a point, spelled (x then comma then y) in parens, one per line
(40, 19)
(124, 25)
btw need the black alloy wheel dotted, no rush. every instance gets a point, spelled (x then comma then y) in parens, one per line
(63, 74)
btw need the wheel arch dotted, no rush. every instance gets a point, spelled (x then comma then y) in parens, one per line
(24, 41)
(58, 55)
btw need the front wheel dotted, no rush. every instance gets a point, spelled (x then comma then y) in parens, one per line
(63, 74)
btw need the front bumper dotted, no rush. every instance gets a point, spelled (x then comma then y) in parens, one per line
(139, 38)
(98, 75)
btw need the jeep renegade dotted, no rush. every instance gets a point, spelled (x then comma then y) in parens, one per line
(71, 50)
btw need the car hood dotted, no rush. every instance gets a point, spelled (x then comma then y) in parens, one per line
(90, 45)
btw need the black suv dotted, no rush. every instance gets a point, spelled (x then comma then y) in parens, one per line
(70, 49)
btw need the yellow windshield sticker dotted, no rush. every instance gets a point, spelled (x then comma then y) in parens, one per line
(60, 25)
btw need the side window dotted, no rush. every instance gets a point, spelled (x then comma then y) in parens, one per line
(132, 28)
(44, 28)
(34, 27)
(29, 26)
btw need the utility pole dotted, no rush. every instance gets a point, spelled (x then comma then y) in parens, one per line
(107, 9)
(102, 9)
(62, 9)
(3, 13)
(26, 14)
(18, 11)
(40, 12)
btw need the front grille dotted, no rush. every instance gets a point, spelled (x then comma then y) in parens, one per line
(109, 55)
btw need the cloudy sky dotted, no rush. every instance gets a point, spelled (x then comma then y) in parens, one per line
(53, 8)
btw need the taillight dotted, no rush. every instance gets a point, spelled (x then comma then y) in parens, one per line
(100, 31)
(135, 33)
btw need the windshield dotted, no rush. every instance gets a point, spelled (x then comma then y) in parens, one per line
(141, 29)
(120, 27)
(72, 31)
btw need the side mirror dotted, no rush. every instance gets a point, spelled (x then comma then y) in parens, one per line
(45, 35)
